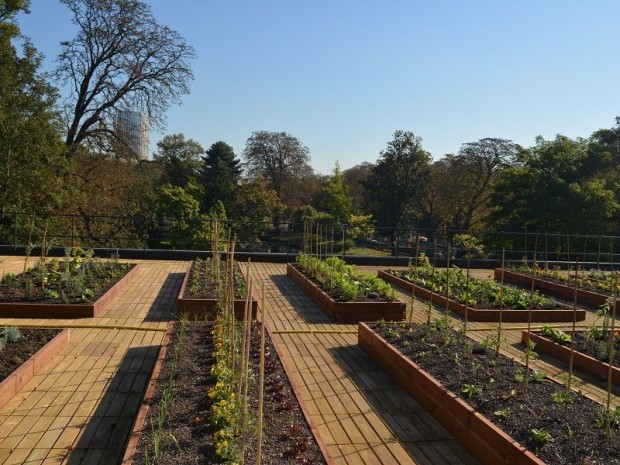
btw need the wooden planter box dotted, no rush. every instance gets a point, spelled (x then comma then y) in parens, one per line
(473, 314)
(61, 310)
(138, 424)
(204, 309)
(585, 297)
(346, 312)
(481, 438)
(580, 360)
(31, 367)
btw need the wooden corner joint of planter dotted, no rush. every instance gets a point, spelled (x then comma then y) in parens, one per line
(33, 366)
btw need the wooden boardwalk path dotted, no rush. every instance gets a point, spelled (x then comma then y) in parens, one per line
(80, 408)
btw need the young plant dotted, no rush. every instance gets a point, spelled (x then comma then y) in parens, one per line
(541, 435)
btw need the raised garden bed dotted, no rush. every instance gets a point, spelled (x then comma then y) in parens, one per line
(21, 360)
(483, 406)
(202, 303)
(581, 360)
(346, 312)
(563, 291)
(287, 436)
(558, 314)
(22, 296)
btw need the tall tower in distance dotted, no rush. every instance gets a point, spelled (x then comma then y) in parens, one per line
(133, 129)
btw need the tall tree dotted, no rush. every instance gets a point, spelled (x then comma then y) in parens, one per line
(120, 58)
(354, 178)
(334, 198)
(255, 209)
(281, 159)
(220, 174)
(472, 172)
(179, 159)
(551, 188)
(398, 182)
(31, 164)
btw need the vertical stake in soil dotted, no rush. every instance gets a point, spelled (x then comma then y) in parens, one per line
(466, 296)
(528, 348)
(572, 342)
(447, 277)
(415, 275)
(246, 362)
(610, 361)
(501, 310)
(261, 377)
(430, 303)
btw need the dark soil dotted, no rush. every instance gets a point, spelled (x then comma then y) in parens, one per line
(16, 353)
(287, 438)
(596, 348)
(85, 284)
(574, 437)
(201, 285)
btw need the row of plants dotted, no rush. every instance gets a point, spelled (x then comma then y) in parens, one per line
(204, 278)
(344, 282)
(77, 277)
(229, 380)
(458, 285)
(550, 419)
(597, 340)
(591, 279)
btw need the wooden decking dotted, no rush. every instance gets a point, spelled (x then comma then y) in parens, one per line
(79, 409)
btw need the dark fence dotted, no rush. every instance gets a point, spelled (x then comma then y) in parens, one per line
(20, 230)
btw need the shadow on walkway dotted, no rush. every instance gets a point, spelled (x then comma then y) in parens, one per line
(104, 437)
(299, 302)
(165, 302)
(410, 424)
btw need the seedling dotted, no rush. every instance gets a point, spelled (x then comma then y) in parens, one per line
(541, 435)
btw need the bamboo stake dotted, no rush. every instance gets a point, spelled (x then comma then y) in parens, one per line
(246, 366)
(415, 275)
(261, 377)
(466, 296)
(526, 377)
(447, 277)
(572, 342)
(433, 276)
(501, 310)
(568, 256)
(610, 361)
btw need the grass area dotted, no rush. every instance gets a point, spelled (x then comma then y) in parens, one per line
(368, 252)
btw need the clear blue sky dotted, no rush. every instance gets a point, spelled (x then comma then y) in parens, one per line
(343, 75)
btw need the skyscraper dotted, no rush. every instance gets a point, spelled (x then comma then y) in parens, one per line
(133, 129)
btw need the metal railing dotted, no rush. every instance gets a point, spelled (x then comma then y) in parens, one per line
(139, 232)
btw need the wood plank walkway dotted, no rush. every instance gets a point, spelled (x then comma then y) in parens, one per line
(79, 409)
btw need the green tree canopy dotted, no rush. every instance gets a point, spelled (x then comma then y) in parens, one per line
(219, 175)
(334, 198)
(552, 189)
(31, 166)
(398, 181)
(179, 159)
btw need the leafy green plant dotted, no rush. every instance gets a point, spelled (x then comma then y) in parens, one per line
(471, 390)
(612, 416)
(474, 292)
(344, 281)
(555, 335)
(541, 435)
(504, 413)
